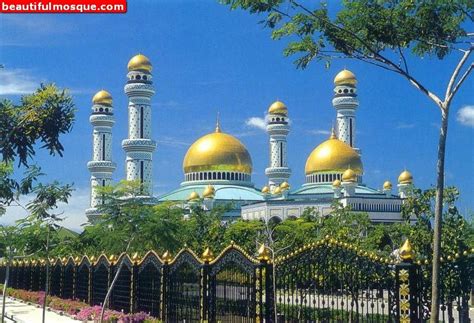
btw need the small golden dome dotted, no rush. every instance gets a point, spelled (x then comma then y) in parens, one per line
(193, 196)
(217, 151)
(209, 192)
(103, 98)
(278, 107)
(345, 77)
(139, 63)
(349, 176)
(265, 190)
(333, 155)
(277, 190)
(387, 185)
(285, 186)
(405, 178)
(336, 183)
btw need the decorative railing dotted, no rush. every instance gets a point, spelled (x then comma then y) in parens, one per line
(326, 281)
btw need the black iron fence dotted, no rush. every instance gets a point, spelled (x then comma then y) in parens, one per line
(327, 281)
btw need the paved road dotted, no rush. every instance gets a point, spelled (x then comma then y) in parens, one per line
(23, 313)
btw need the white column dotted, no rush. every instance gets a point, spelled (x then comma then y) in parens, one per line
(278, 170)
(101, 166)
(139, 146)
(345, 102)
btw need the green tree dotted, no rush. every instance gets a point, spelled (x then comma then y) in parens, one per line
(382, 33)
(41, 117)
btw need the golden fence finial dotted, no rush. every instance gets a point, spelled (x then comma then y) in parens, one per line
(264, 253)
(207, 255)
(406, 251)
(167, 257)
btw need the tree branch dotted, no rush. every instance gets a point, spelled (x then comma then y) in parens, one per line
(449, 89)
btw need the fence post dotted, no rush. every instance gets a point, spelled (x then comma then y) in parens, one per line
(166, 258)
(207, 257)
(265, 280)
(134, 283)
(408, 282)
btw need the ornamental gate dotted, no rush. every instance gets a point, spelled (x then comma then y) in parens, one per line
(326, 281)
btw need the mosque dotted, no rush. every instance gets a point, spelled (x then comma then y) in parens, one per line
(218, 167)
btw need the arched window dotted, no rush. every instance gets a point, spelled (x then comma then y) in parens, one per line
(213, 175)
(218, 175)
(138, 77)
(232, 176)
(200, 176)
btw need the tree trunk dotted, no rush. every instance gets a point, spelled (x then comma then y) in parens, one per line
(46, 287)
(438, 216)
(5, 285)
(112, 284)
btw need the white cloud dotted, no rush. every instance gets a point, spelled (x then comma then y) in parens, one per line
(171, 141)
(466, 115)
(73, 212)
(16, 81)
(256, 122)
(405, 126)
(319, 132)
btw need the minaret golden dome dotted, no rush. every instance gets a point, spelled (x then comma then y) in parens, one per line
(349, 176)
(333, 155)
(103, 98)
(139, 63)
(278, 107)
(405, 178)
(345, 77)
(387, 185)
(217, 151)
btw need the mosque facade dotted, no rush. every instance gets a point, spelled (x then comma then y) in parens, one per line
(218, 167)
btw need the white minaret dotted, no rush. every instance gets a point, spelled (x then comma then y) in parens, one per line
(345, 102)
(101, 165)
(278, 129)
(139, 146)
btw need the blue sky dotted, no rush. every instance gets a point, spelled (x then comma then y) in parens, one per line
(207, 59)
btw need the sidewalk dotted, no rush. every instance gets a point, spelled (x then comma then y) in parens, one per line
(23, 313)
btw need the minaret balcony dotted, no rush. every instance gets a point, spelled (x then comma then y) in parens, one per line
(278, 171)
(278, 128)
(140, 145)
(101, 166)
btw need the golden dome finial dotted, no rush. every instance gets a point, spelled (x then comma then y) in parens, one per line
(209, 192)
(405, 177)
(193, 196)
(265, 189)
(406, 251)
(218, 123)
(387, 185)
(333, 134)
(349, 176)
(336, 183)
(284, 186)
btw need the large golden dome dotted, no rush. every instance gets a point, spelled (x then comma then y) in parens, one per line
(345, 77)
(139, 63)
(103, 98)
(217, 151)
(278, 107)
(333, 155)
